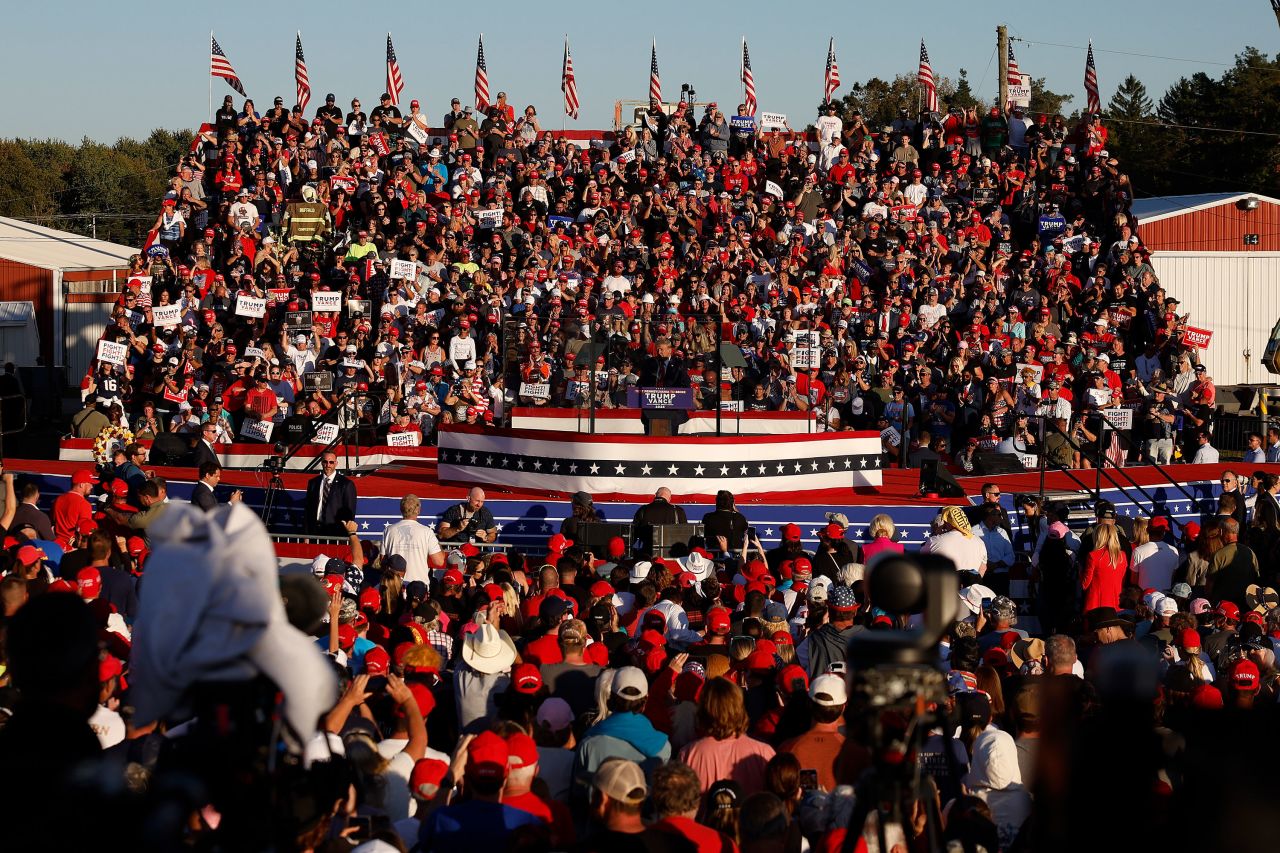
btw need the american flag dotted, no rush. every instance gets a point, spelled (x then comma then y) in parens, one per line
(830, 80)
(482, 78)
(655, 81)
(926, 81)
(300, 75)
(1013, 77)
(569, 84)
(395, 82)
(1091, 83)
(748, 80)
(220, 66)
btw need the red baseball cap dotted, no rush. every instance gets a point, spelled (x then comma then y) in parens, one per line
(136, 545)
(527, 678)
(718, 620)
(377, 661)
(119, 488)
(89, 582)
(426, 778)
(791, 678)
(84, 475)
(791, 533)
(1228, 610)
(617, 547)
(453, 576)
(370, 599)
(602, 589)
(1245, 675)
(487, 757)
(333, 583)
(522, 750)
(29, 554)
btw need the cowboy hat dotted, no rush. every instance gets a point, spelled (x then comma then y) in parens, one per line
(488, 650)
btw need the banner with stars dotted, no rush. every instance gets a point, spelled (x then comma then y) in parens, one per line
(637, 465)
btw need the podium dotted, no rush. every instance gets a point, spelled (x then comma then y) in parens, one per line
(661, 409)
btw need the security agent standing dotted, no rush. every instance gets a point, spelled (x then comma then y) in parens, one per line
(470, 519)
(331, 499)
(657, 512)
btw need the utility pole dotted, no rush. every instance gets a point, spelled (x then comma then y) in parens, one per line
(1002, 57)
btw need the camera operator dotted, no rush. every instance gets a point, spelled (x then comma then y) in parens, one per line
(468, 520)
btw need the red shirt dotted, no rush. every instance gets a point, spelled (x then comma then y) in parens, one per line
(68, 511)
(1102, 579)
(545, 649)
(704, 838)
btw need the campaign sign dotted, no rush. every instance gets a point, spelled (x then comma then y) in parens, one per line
(404, 269)
(742, 123)
(254, 352)
(1198, 338)
(535, 390)
(112, 352)
(164, 316)
(773, 189)
(489, 218)
(257, 430)
(773, 121)
(298, 320)
(403, 439)
(326, 301)
(661, 398)
(326, 434)
(804, 358)
(250, 306)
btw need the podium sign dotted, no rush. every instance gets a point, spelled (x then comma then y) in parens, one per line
(660, 398)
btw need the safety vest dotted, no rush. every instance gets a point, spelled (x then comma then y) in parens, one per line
(307, 220)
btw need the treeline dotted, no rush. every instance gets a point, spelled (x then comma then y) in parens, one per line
(1204, 135)
(62, 185)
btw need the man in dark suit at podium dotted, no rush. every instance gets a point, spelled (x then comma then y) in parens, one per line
(664, 370)
(331, 499)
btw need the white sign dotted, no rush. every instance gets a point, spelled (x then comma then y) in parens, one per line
(257, 430)
(773, 189)
(1020, 94)
(112, 352)
(326, 301)
(1119, 419)
(489, 218)
(536, 390)
(1029, 460)
(404, 269)
(731, 405)
(1036, 369)
(804, 358)
(416, 132)
(403, 439)
(773, 121)
(164, 316)
(627, 156)
(326, 434)
(254, 352)
(250, 306)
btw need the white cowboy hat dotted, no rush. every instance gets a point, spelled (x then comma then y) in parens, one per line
(699, 566)
(488, 650)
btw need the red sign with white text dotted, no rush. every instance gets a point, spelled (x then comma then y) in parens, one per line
(1198, 338)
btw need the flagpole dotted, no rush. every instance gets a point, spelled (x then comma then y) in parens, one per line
(208, 111)
(563, 115)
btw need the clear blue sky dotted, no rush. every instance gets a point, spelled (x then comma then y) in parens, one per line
(104, 70)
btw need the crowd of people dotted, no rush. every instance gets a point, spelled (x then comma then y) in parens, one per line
(613, 699)
(953, 276)
(950, 280)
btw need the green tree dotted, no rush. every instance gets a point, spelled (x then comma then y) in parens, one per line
(1044, 100)
(963, 95)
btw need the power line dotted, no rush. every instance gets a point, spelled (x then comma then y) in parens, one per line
(1036, 42)
(1199, 127)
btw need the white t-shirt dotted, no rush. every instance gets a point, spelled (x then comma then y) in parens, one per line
(828, 127)
(969, 553)
(416, 543)
(1155, 563)
(462, 351)
(616, 283)
(108, 726)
